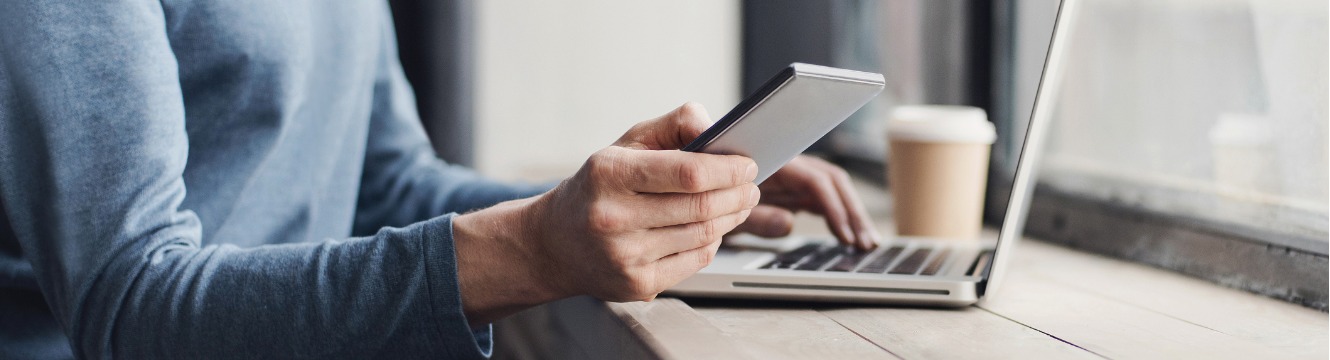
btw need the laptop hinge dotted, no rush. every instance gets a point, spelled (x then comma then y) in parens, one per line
(979, 268)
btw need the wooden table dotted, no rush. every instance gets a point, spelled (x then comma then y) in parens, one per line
(1055, 303)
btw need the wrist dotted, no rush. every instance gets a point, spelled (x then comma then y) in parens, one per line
(524, 228)
(500, 270)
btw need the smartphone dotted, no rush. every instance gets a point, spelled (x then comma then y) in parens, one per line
(790, 112)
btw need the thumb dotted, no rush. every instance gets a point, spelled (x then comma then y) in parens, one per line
(670, 131)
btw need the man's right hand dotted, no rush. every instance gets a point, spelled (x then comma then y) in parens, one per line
(637, 218)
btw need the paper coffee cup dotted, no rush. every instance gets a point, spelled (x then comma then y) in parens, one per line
(937, 166)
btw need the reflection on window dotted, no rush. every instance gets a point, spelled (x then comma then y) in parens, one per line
(1214, 110)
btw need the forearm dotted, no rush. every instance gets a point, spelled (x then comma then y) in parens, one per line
(394, 294)
(403, 191)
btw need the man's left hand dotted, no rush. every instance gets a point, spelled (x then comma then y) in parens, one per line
(812, 184)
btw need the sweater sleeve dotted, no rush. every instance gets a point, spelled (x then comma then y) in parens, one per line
(92, 149)
(403, 181)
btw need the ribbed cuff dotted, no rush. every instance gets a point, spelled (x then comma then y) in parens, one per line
(456, 337)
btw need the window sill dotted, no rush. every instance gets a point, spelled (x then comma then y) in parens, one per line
(1184, 246)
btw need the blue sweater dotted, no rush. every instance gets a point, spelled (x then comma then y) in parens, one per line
(183, 179)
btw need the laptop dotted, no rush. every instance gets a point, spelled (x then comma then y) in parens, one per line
(904, 270)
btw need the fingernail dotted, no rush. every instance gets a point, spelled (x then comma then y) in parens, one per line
(754, 196)
(849, 235)
(750, 172)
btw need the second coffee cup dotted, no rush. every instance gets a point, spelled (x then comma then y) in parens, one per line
(937, 167)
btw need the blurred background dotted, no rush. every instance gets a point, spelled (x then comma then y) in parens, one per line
(548, 83)
(1177, 118)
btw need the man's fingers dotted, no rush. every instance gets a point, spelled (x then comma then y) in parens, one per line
(680, 172)
(833, 209)
(690, 119)
(670, 131)
(669, 240)
(660, 210)
(826, 198)
(768, 221)
(856, 214)
(672, 269)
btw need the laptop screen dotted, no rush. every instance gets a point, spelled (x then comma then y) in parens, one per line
(1021, 166)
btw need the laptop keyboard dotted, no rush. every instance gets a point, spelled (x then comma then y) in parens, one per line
(912, 263)
(843, 258)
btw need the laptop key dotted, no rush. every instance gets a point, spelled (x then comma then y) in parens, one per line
(851, 257)
(822, 257)
(936, 264)
(787, 260)
(879, 264)
(912, 263)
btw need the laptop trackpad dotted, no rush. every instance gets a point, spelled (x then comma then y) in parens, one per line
(730, 259)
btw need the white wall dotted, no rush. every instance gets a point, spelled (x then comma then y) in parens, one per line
(558, 80)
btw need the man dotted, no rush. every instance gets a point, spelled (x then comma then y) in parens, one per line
(182, 180)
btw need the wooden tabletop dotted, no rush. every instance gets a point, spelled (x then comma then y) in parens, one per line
(1054, 303)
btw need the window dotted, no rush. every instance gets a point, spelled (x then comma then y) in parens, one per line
(1191, 135)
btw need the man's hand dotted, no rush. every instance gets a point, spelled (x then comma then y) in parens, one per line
(639, 217)
(804, 184)
(812, 184)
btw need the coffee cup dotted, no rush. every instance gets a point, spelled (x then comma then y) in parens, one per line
(937, 166)
(1243, 148)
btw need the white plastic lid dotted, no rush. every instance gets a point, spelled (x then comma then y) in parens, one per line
(1242, 130)
(941, 123)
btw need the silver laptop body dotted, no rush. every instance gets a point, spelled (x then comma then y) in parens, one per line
(908, 271)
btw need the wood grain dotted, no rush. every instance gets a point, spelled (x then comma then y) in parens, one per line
(675, 331)
(763, 333)
(1287, 329)
(1111, 328)
(968, 333)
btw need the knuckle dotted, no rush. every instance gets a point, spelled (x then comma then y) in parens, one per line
(840, 174)
(737, 171)
(608, 169)
(643, 288)
(621, 264)
(824, 182)
(690, 176)
(706, 231)
(637, 286)
(704, 258)
(628, 257)
(605, 218)
(599, 163)
(702, 207)
(640, 127)
(690, 111)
